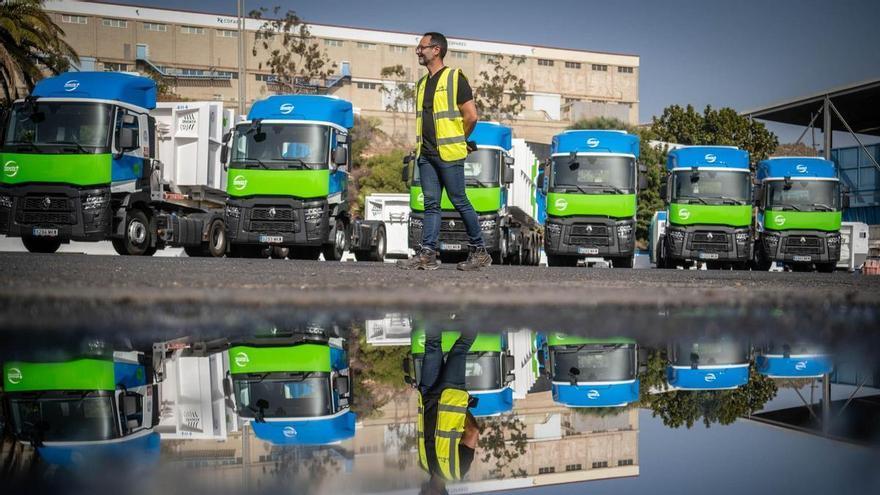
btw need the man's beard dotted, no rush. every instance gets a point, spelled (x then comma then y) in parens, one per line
(422, 60)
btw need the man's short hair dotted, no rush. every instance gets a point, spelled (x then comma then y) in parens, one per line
(439, 40)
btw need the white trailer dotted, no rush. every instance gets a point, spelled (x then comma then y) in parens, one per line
(393, 209)
(853, 245)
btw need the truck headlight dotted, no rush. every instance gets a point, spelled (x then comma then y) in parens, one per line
(487, 225)
(553, 228)
(313, 214)
(233, 211)
(833, 240)
(415, 223)
(771, 240)
(675, 235)
(95, 202)
(5, 201)
(624, 230)
(742, 237)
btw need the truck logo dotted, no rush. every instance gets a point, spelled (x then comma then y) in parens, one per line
(71, 85)
(779, 220)
(46, 202)
(10, 168)
(710, 236)
(286, 108)
(801, 168)
(592, 142)
(710, 158)
(710, 377)
(289, 431)
(593, 394)
(239, 182)
(13, 376)
(561, 204)
(452, 224)
(684, 213)
(242, 359)
(803, 240)
(589, 228)
(421, 198)
(272, 212)
(800, 365)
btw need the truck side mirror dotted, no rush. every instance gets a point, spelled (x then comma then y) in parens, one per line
(340, 156)
(663, 186)
(127, 139)
(643, 181)
(224, 156)
(404, 174)
(508, 174)
(508, 365)
(227, 386)
(757, 194)
(545, 183)
(407, 375)
(343, 385)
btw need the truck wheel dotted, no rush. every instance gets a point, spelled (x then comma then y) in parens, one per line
(826, 267)
(760, 262)
(377, 253)
(138, 236)
(216, 246)
(279, 252)
(334, 252)
(662, 260)
(622, 262)
(41, 245)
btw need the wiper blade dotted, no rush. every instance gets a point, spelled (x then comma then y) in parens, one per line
(727, 198)
(786, 205)
(477, 182)
(823, 206)
(260, 162)
(72, 143)
(296, 163)
(612, 187)
(694, 198)
(567, 188)
(26, 145)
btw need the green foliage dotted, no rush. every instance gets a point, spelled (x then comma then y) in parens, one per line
(378, 373)
(384, 175)
(401, 95)
(600, 412)
(31, 44)
(500, 94)
(714, 127)
(502, 440)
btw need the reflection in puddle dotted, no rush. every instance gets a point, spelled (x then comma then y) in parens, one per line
(334, 408)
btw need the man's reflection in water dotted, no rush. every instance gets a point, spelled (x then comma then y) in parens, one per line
(447, 431)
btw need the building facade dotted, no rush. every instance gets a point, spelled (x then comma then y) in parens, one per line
(196, 55)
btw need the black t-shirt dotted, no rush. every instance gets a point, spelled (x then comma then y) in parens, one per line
(430, 402)
(429, 134)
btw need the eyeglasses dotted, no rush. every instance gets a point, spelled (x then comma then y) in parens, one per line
(425, 47)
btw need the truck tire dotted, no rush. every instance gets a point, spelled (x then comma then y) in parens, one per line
(216, 245)
(662, 260)
(138, 236)
(760, 262)
(279, 252)
(377, 252)
(555, 260)
(826, 267)
(622, 262)
(335, 251)
(41, 245)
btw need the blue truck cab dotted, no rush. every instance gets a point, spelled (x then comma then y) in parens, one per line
(799, 360)
(704, 364)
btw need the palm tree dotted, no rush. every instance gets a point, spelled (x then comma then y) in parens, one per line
(31, 44)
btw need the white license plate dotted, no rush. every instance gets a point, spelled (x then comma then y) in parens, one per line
(450, 247)
(708, 256)
(802, 258)
(271, 239)
(45, 232)
(583, 250)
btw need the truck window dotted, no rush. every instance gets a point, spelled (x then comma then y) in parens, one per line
(65, 417)
(284, 396)
(281, 146)
(712, 186)
(48, 123)
(595, 363)
(813, 195)
(595, 173)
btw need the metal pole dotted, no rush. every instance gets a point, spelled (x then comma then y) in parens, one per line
(869, 155)
(241, 76)
(826, 128)
(826, 403)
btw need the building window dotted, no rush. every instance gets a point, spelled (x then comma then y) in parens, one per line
(366, 46)
(625, 70)
(573, 467)
(74, 19)
(337, 43)
(544, 62)
(269, 78)
(625, 462)
(546, 470)
(459, 55)
(568, 100)
(114, 67)
(226, 73)
(227, 33)
(572, 65)
(488, 58)
(603, 464)
(600, 67)
(192, 30)
(367, 85)
(115, 23)
(152, 26)
(397, 49)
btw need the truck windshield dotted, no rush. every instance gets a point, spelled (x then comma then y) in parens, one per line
(482, 370)
(594, 174)
(60, 123)
(481, 168)
(803, 195)
(283, 395)
(69, 417)
(595, 363)
(281, 146)
(711, 187)
(710, 353)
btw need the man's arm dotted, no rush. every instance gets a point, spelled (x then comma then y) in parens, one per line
(468, 111)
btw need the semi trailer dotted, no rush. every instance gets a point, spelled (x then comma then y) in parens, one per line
(287, 166)
(500, 182)
(708, 363)
(80, 163)
(591, 184)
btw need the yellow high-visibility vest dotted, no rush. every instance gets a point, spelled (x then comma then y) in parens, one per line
(451, 415)
(448, 124)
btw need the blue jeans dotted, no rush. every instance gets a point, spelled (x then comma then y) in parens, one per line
(436, 374)
(436, 175)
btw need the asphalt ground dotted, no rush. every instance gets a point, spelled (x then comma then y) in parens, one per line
(163, 297)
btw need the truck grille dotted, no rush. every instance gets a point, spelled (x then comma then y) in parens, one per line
(597, 230)
(47, 203)
(810, 245)
(710, 242)
(452, 226)
(44, 209)
(588, 241)
(266, 213)
(260, 226)
(41, 217)
(710, 237)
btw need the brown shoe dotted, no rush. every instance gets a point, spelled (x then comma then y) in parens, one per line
(477, 258)
(425, 259)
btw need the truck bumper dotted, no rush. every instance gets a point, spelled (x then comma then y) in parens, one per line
(453, 236)
(277, 221)
(66, 213)
(801, 246)
(589, 236)
(709, 243)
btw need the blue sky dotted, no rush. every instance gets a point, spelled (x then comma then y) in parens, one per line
(742, 54)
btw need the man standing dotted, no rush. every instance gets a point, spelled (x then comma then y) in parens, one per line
(447, 431)
(445, 116)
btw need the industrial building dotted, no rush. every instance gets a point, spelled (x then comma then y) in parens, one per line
(196, 56)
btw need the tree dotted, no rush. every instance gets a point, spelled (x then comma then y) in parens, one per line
(400, 95)
(30, 45)
(714, 127)
(502, 440)
(794, 149)
(384, 175)
(296, 60)
(377, 162)
(378, 373)
(500, 93)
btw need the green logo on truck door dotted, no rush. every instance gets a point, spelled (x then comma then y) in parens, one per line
(80, 169)
(828, 221)
(730, 215)
(304, 184)
(484, 199)
(610, 205)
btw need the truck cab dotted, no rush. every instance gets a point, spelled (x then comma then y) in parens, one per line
(708, 364)
(709, 208)
(592, 183)
(293, 389)
(488, 372)
(798, 360)
(83, 410)
(799, 213)
(588, 372)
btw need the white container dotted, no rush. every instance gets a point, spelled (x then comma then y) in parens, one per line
(393, 209)
(192, 403)
(521, 192)
(853, 245)
(189, 137)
